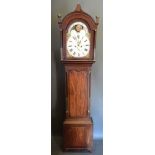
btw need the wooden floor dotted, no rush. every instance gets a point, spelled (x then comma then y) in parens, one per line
(57, 149)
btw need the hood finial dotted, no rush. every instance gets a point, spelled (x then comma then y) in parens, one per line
(78, 7)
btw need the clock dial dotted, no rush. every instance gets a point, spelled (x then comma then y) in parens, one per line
(78, 41)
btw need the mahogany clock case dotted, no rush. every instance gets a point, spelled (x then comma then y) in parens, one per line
(78, 124)
(58, 74)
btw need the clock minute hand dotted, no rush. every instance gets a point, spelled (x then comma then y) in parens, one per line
(80, 41)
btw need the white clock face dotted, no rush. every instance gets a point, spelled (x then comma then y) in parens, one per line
(78, 41)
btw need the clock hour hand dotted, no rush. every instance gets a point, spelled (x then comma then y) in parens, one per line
(80, 41)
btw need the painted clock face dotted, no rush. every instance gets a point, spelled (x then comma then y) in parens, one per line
(78, 40)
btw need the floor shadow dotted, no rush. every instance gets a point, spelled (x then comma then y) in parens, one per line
(97, 149)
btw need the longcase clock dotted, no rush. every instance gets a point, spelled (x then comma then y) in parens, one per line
(78, 36)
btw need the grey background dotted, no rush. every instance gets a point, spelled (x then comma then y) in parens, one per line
(94, 8)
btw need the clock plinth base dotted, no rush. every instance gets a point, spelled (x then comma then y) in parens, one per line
(78, 134)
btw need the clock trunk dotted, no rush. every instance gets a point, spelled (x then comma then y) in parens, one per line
(78, 125)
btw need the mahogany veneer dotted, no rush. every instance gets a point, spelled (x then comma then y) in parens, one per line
(78, 125)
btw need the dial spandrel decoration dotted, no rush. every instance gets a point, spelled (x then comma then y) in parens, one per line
(78, 40)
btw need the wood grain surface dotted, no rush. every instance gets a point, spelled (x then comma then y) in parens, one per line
(78, 126)
(78, 93)
(78, 135)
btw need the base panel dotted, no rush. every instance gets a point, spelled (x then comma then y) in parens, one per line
(78, 135)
